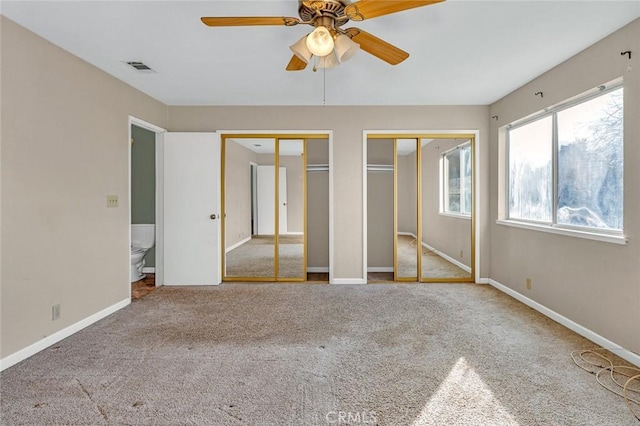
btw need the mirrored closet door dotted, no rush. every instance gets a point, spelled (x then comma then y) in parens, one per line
(406, 233)
(264, 202)
(433, 201)
(446, 207)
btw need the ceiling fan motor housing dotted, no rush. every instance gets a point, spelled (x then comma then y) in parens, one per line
(310, 10)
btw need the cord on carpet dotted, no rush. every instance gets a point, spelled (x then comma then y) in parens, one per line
(602, 364)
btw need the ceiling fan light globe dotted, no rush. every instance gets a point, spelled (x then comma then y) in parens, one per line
(300, 49)
(328, 61)
(320, 41)
(345, 48)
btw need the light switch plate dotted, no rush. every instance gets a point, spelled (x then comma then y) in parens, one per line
(112, 201)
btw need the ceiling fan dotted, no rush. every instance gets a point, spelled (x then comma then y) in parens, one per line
(329, 42)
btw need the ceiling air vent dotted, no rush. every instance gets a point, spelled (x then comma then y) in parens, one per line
(140, 66)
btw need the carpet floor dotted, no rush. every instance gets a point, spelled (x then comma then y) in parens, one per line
(255, 258)
(264, 354)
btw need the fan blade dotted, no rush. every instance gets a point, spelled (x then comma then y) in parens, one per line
(249, 20)
(377, 47)
(296, 64)
(367, 9)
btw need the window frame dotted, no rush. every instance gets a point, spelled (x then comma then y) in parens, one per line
(602, 234)
(444, 182)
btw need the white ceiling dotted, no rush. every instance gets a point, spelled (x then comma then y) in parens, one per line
(463, 52)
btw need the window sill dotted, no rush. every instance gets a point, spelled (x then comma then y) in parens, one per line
(607, 238)
(456, 216)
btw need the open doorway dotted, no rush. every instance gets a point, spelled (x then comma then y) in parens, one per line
(144, 196)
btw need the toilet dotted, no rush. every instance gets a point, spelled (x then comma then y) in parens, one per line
(143, 238)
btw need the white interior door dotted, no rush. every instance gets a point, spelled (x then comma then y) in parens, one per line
(266, 200)
(191, 209)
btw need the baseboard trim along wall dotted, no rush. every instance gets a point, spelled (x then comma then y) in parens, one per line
(40, 345)
(438, 252)
(380, 269)
(238, 244)
(348, 281)
(318, 269)
(623, 353)
(448, 258)
(149, 270)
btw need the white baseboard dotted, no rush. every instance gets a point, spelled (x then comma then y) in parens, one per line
(149, 270)
(623, 353)
(318, 269)
(238, 244)
(448, 258)
(482, 281)
(380, 269)
(33, 349)
(411, 234)
(294, 233)
(348, 281)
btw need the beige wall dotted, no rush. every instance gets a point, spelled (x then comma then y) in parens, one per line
(380, 219)
(64, 148)
(318, 205)
(347, 124)
(446, 234)
(593, 283)
(237, 192)
(407, 193)
(380, 205)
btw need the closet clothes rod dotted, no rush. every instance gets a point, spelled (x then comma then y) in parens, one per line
(317, 167)
(388, 168)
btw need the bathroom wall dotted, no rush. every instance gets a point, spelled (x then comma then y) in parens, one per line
(143, 182)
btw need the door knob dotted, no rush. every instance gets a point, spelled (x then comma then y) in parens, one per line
(213, 216)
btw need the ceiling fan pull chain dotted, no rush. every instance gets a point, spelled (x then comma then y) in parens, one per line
(324, 86)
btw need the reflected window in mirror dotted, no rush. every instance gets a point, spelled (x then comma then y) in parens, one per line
(456, 181)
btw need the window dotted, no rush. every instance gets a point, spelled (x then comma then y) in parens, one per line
(565, 166)
(456, 180)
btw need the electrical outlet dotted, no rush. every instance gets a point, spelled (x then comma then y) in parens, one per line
(528, 283)
(55, 312)
(112, 201)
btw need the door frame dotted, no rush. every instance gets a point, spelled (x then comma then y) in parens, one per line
(299, 134)
(159, 145)
(421, 134)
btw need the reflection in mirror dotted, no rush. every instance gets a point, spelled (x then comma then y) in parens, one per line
(291, 193)
(406, 209)
(446, 209)
(249, 202)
